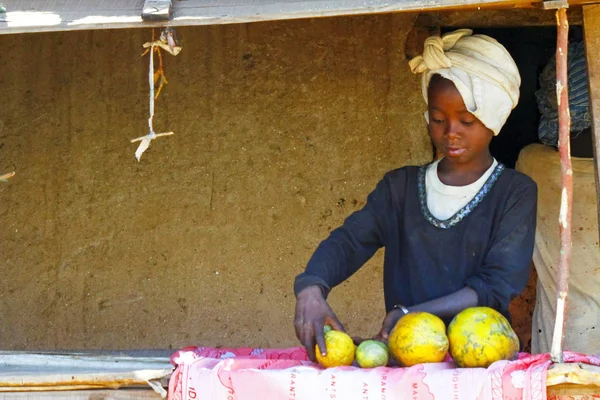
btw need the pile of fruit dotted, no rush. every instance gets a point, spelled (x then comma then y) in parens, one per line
(476, 337)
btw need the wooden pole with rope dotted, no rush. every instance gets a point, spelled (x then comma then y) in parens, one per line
(566, 204)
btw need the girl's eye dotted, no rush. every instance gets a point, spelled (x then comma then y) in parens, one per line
(437, 121)
(468, 123)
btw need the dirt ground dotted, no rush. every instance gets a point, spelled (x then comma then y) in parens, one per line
(281, 130)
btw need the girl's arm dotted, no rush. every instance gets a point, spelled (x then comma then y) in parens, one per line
(335, 260)
(351, 245)
(446, 306)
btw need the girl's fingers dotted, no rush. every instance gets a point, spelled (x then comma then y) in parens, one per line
(336, 324)
(320, 337)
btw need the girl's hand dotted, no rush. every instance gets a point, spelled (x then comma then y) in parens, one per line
(312, 314)
(388, 324)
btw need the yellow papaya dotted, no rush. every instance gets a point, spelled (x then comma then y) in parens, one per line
(418, 337)
(480, 336)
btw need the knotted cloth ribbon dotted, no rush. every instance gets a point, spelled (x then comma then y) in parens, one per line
(481, 68)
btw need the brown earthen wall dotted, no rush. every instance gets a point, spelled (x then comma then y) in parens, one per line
(281, 130)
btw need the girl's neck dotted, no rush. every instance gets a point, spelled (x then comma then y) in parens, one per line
(454, 174)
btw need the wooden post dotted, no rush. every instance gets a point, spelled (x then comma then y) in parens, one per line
(591, 26)
(566, 203)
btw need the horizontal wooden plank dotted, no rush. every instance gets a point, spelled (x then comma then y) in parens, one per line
(45, 15)
(122, 394)
(23, 371)
(496, 18)
(573, 391)
(574, 373)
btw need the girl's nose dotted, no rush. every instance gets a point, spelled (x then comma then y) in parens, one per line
(453, 130)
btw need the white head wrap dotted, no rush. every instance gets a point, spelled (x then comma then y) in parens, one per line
(481, 69)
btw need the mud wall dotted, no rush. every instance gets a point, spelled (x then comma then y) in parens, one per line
(281, 130)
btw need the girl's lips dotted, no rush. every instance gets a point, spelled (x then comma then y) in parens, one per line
(455, 151)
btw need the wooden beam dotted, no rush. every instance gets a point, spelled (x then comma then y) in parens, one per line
(566, 202)
(495, 18)
(121, 394)
(50, 15)
(591, 28)
(574, 373)
(573, 379)
(40, 372)
(572, 391)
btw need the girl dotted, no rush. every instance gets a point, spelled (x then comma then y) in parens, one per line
(458, 232)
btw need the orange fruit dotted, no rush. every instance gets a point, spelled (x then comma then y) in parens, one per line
(340, 350)
(371, 354)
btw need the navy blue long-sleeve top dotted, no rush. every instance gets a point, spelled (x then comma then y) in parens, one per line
(487, 245)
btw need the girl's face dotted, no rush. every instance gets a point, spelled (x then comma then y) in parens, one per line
(455, 132)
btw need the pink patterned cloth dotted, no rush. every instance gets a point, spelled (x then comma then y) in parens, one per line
(288, 374)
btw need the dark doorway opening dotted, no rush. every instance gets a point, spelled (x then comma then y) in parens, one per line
(531, 48)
